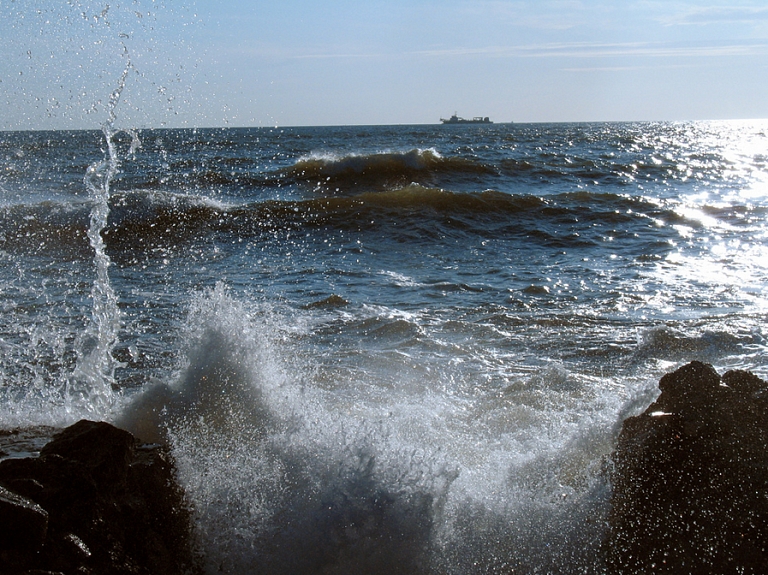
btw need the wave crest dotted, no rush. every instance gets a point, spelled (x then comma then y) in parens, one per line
(380, 169)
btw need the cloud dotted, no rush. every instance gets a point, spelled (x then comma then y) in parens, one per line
(606, 50)
(592, 69)
(547, 50)
(507, 21)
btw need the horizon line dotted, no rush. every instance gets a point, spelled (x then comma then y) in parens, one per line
(364, 125)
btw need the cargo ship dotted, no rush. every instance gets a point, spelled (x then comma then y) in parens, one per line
(456, 120)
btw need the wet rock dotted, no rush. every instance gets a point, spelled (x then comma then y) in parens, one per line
(95, 501)
(23, 527)
(691, 478)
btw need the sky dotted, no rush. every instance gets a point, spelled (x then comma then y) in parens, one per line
(340, 62)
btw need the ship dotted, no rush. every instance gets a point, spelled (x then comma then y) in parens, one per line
(456, 120)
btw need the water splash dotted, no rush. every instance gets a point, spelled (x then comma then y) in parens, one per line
(287, 474)
(90, 388)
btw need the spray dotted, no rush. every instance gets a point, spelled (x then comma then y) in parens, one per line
(90, 388)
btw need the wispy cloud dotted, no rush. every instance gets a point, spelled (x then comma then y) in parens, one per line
(341, 56)
(606, 50)
(576, 50)
(592, 69)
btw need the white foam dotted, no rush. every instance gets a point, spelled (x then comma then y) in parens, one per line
(287, 474)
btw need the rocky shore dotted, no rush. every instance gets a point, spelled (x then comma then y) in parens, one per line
(95, 501)
(690, 486)
(689, 492)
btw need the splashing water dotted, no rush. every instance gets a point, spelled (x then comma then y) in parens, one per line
(288, 476)
(302, 489)
(89, 388)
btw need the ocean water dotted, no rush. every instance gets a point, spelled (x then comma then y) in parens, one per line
(380, 349)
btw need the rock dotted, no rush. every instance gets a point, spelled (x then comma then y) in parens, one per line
(111, 506)
(23, 527)
(691, 478)
(103, 451)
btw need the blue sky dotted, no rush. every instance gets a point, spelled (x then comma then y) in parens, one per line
(298, 62)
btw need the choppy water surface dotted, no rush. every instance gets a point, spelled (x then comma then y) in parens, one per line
(381, 349)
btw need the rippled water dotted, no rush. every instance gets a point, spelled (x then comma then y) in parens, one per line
(384, 349)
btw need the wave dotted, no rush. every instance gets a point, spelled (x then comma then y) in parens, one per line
(380, 170)
(413, 214)
(387, 170)
(286, 475)
(142, 220)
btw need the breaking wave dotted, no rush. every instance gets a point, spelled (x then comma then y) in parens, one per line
(381, 170)
(288, 476)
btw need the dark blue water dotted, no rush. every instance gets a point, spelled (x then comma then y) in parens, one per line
(381, 349)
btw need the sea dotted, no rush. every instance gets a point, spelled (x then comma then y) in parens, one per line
(380, 349)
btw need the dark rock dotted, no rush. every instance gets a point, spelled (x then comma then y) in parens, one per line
(23, 526)
(102, 451)
(744, 381)
(691, 478)
(112, 506)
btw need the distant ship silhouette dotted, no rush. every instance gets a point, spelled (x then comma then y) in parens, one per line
(456, 120)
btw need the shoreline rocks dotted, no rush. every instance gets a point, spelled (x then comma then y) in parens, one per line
(689, 492)
(95, 501)
(690, 483)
